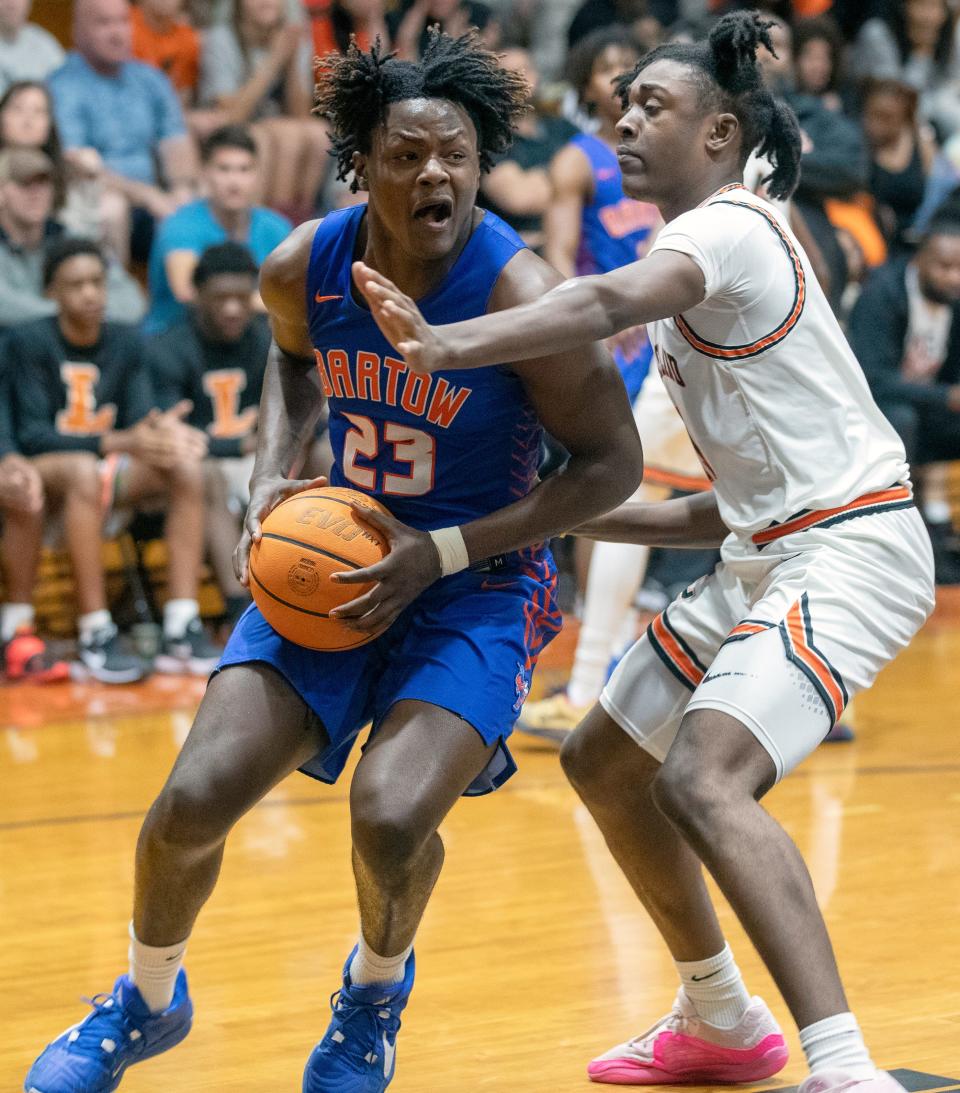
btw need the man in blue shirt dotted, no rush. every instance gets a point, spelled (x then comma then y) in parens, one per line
(228, 213)
(125, 110)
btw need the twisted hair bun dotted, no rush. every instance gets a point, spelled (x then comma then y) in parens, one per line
(733, 43)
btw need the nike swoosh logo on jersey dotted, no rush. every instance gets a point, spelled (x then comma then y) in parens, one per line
(606, 173)
(318, 299)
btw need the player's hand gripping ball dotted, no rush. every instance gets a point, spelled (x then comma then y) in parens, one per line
(305, 539)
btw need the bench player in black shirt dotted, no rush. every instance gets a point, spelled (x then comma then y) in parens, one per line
(83, 412)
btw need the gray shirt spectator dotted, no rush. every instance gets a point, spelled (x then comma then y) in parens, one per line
(26, 228)
(226, 65)
(27, 52)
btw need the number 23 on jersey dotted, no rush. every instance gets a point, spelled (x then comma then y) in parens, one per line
(412, 447)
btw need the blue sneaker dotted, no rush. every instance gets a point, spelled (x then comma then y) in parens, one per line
(92, 1057)
(358, 1051)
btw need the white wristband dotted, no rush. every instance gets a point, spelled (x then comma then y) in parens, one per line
(452, 550)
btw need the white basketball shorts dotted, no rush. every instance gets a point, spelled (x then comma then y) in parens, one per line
(780, 636)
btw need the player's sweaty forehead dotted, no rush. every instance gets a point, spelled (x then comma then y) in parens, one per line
(426, 121)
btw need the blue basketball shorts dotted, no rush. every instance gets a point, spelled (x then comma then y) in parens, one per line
(468, 644)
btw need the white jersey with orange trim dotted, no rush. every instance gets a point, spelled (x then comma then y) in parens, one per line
(771, 394)
(668, 456)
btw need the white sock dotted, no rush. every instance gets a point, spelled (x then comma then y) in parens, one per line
(177, 616)
(836, 1043)
(369, 967)
(154, 970)
(12, 617)
(616, 570)
(716, 988)
(93, 621)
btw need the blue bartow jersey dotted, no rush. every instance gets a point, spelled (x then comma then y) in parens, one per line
(436, 450)
(615, 231)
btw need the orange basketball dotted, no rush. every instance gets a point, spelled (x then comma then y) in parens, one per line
(305, 539)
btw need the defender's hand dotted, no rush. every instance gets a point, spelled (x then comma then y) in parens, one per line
(265, 494)
(423, 347)
(412, 565)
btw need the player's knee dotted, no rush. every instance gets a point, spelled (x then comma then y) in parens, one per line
(388, 835)
(188, 814)
(689, 797)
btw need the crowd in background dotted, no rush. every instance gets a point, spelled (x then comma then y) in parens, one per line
(147, 172)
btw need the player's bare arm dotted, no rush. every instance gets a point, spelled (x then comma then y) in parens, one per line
(292, 397)
(571, 392)
(693, 522)
(576, 312)
(572, 183)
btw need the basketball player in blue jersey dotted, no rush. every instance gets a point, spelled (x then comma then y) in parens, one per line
(826, 570)
(591, 225)
(467, 587)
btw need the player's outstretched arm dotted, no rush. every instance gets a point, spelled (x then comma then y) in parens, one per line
(692, 522)
(580, 399)
(292, 397)
(574, 313)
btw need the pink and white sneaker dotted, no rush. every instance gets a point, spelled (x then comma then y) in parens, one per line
(682, 1048)
(840, 1081)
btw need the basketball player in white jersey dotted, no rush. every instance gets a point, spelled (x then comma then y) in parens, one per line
(826, 568)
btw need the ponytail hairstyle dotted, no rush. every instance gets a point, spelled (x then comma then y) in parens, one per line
(729, 80)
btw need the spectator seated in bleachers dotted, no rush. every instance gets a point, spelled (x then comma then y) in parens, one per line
(27, 228)
(231, 179)
(411, 20)
(902, 153)
(128, 113)
(333, 22)
(644, 18)
(27, 52)
(24, 655)
(818, 68)
(83, 413)
(258, 69)
(905, 331)
(518, 187)
(215, 359)
(834, 166)
(85, 205)
(916, 41)
(163, 39)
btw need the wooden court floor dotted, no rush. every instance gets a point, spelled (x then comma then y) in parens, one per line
(533, 956)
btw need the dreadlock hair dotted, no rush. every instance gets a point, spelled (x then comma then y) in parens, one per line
(355, 89)
(728, 79)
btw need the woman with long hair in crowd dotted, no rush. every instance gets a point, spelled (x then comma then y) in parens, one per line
(916, 41)
(901, 156)
(85, 205)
